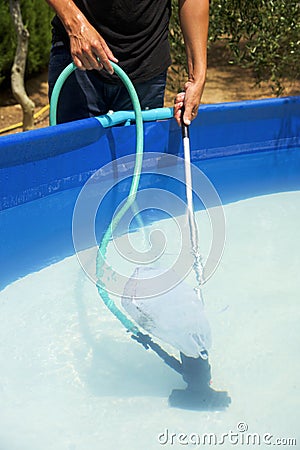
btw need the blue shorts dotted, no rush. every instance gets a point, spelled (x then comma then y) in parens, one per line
(84, 94)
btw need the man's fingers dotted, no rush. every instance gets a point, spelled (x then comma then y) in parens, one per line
(107, 65)
(89, 61)
(103, 60)
(178, 112)
(188, 102)
(179, 97)
(78, 63)
(190, 114)
(89, 55)
(108, 52)
(81, 58)
(178, 104)
(104, 55)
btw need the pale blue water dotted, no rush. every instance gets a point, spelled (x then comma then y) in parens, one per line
(71, 378)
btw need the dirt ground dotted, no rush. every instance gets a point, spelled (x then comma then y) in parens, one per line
(225, 83)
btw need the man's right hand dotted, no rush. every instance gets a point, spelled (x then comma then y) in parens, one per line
(88, 48)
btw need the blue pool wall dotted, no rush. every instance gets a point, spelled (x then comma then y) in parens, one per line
(40, 162)
(246, 149)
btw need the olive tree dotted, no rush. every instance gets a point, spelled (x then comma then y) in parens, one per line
(263, 35)
(19, 64)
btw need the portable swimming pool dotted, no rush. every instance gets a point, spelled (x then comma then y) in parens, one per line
(71, 378)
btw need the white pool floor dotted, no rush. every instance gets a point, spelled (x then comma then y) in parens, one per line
(71, 378)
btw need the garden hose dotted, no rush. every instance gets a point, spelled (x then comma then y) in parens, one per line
(133, 189)
(143, 339)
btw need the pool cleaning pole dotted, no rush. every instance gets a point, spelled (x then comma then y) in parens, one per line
(197, 266)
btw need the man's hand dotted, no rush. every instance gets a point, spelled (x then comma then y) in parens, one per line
(194, 17)
(190, 99)
(89, 50)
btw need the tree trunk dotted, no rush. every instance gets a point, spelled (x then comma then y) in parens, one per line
(18, 68)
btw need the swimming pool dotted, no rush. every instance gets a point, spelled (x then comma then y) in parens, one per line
(70, 376)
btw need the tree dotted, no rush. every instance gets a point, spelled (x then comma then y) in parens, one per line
(36, 15)
(18, 68)
(260, 34)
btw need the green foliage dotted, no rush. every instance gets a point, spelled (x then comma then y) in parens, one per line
(263, 35)
(36, 17)
(6, 39)
(178, 71)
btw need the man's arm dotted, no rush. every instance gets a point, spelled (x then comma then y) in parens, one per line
(88, 49)
(194, 20)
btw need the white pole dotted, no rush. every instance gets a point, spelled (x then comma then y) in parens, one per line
(197, 266)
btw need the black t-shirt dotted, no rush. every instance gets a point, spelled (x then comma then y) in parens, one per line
(135, 30)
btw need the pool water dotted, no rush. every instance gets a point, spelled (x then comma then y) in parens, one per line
(71, 378)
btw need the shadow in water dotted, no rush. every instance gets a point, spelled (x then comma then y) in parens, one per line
(112, 363)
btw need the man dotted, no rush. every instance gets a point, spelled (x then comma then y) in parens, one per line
(134, 35)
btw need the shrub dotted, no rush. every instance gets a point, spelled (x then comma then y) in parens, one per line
(36, 17)
(263, 35)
